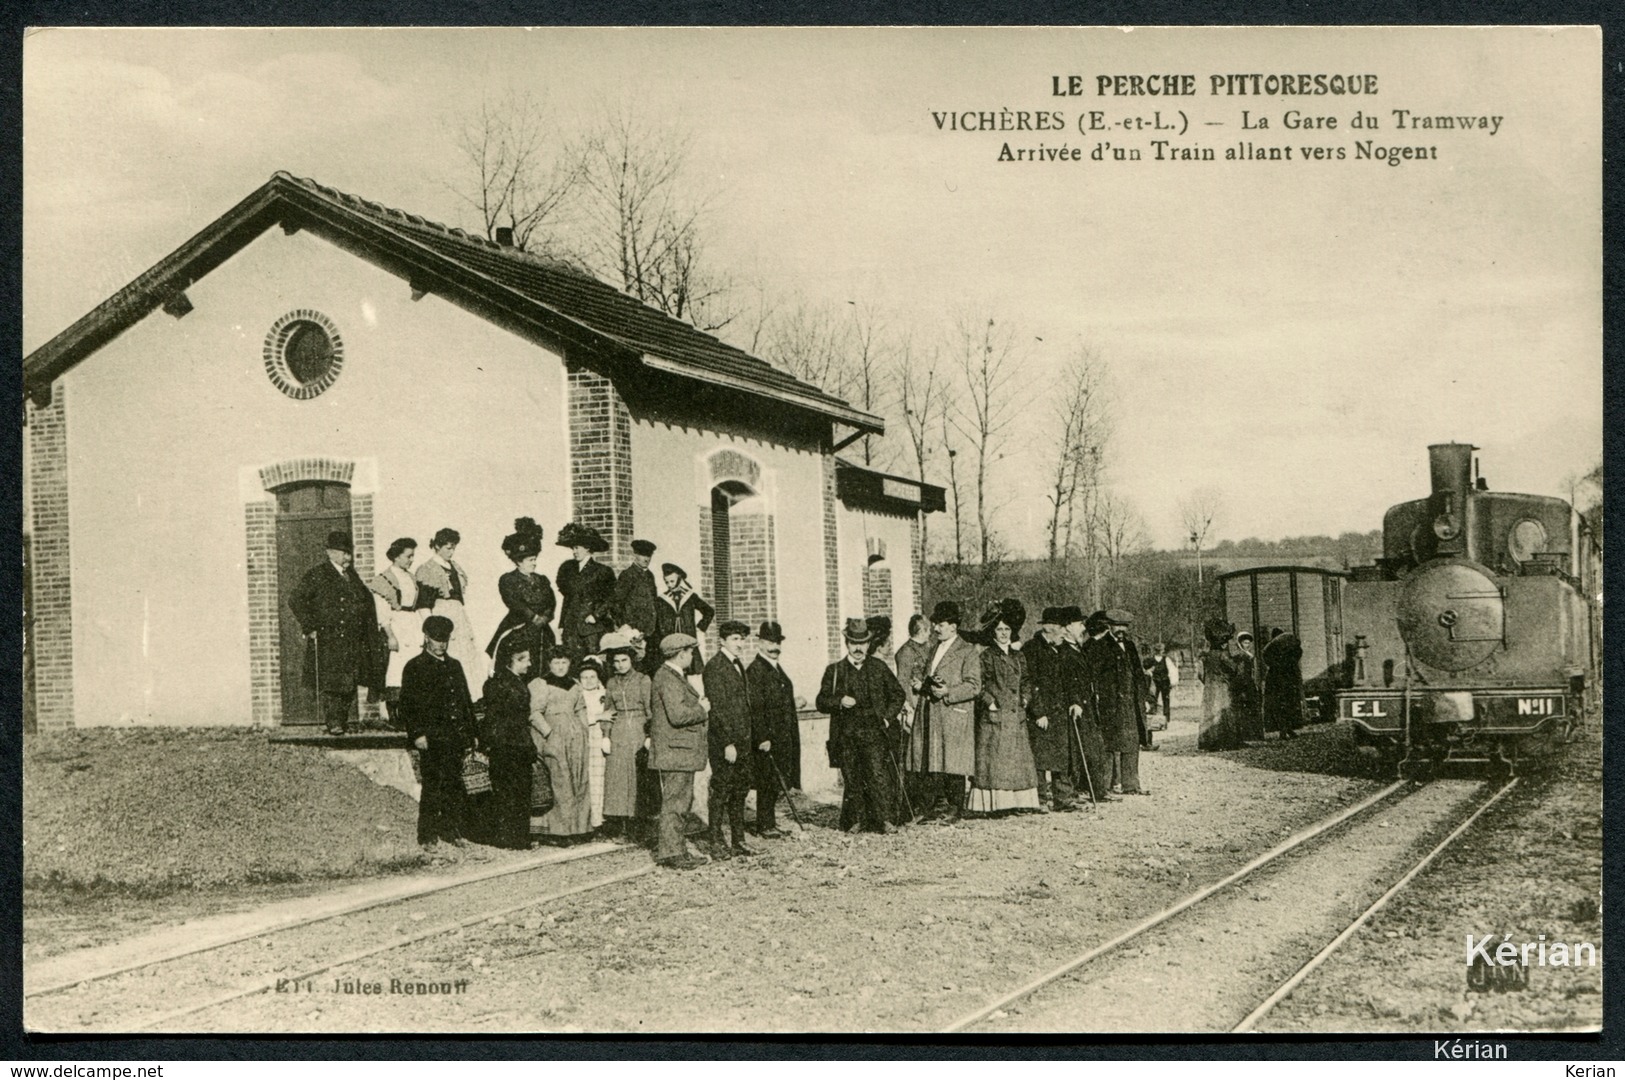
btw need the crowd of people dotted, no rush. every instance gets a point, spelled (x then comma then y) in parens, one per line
(599, 729)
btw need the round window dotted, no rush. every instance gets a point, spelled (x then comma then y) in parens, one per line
(303, 354)
(1528, 537)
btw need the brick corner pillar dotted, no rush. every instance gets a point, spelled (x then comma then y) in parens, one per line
(52, 586)
(916, 554)
(832, 562)
(601, 461)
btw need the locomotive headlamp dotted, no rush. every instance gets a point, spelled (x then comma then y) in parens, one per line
(1445, 527)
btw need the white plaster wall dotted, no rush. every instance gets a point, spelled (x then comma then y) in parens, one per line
(855, 527)
(671, 481)
(456, 423)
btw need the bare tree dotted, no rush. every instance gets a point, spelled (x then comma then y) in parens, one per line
(520, 170)
(643, 222)
(921, 399)
(1198, 512)
(953, 484)
(1122, 533)
(871, 383)
(811, 343)
(1081, 429)
(985, 356)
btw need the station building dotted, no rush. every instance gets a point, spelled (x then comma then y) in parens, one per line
(311, 360)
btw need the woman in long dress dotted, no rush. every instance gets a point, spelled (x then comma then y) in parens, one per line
(1220, 728)
(1006, 778)
(527, 595)
(397, 603)
(629, 695)
(558, 722)
(599, 719)
(449, 581)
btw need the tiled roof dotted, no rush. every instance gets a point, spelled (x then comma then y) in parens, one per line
(563, 297)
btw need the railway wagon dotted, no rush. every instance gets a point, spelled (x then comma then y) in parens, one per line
(1303, 600)
(1474, 637)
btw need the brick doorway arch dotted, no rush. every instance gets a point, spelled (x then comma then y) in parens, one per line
(737, 543)
(276, 497)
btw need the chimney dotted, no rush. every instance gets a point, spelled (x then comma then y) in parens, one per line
(504, 236)
(1451, 467)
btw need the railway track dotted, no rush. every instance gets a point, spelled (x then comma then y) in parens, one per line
(1068, 997)
(153, 992)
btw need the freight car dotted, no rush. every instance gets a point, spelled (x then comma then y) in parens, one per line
(1475, 637)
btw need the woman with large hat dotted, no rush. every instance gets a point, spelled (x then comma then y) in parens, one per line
(1219, 728)
(628, 695)
(558, 721)
(527, 594)
(588, 588)
(1005, 778)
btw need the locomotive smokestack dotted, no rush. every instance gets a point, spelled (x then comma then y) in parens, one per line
(1451, 467)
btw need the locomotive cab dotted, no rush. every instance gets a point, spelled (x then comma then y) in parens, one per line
(1472, 633)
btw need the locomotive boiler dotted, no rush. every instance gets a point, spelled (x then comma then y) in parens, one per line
(1475, 636)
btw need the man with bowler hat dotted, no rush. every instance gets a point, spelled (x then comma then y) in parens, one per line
(1118, 694)
(677, 748)
(439, 720)
(775, 728)
(729, 731)
(861, 695)
(335, 612)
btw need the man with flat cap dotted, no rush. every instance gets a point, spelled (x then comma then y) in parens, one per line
(677, 748)
(943, 740)
(335, 612)
(729, 730)
(775, 728)
(861, 695)
(439, 721)
(635, 592)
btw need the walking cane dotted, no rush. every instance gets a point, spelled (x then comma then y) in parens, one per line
(1088, 782)
(790, 802)
(316, 651)
(902, 783)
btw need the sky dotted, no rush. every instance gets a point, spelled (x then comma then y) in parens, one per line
(1288, 334)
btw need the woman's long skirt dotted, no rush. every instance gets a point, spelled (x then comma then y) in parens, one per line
(621, 770)
(1005, 777)
(408, 629)
(565, 752)
(595, 773)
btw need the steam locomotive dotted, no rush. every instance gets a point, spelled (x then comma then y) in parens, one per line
(1476, 636)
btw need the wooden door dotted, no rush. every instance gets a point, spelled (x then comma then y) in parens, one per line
(305, 514)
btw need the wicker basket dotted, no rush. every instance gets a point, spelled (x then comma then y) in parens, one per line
(476, 773)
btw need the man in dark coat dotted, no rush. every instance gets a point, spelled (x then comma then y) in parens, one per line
(775, 728)
(729, 727)
(861, 696)
(1282, 662)
(1091, 760)
(335, 610)
(588, 588)
(677, 748)
(1049, 720)
(635, 592)
(1111, 691)
(439, 720)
